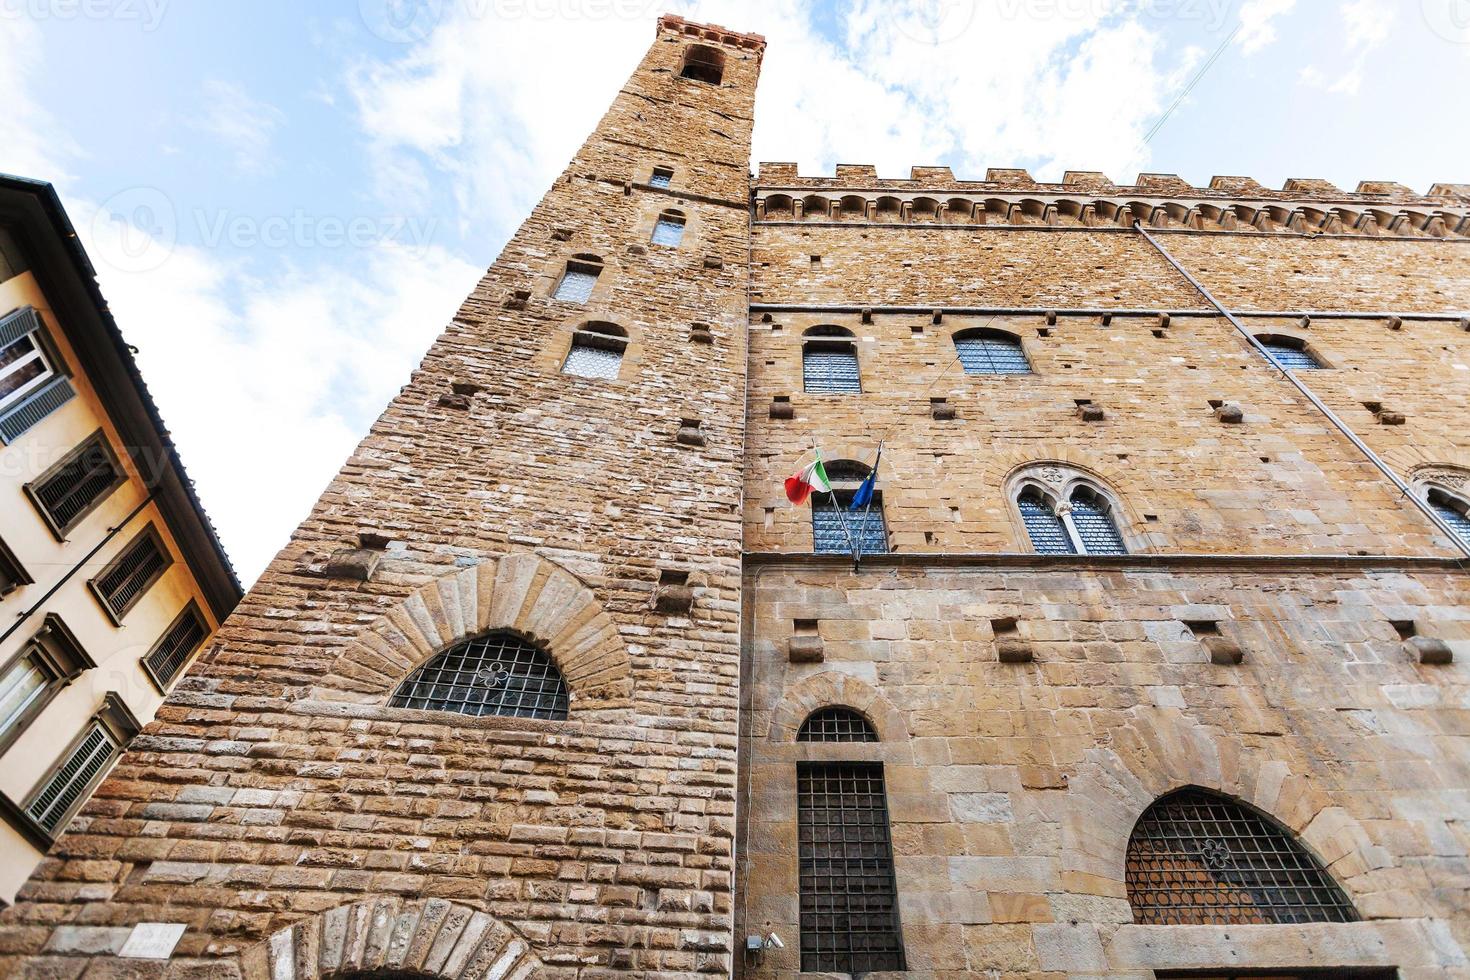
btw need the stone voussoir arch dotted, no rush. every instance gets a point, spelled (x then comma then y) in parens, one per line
(1157, 753)
(416, 937)
(523, 593)
(832, 689)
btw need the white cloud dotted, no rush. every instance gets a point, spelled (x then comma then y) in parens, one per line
(242, 125)
(1367, 25)
(1257, 23)
(33, 142)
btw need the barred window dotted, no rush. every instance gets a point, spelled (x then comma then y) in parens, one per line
(596, 352)
(131, 574)
(849, 900)
(836, 724)
(990, 352)
(1048, 535)
(495, 674)
(72, 489)
(669, 229)
(172, 651)
(662, 177)
(578, 281)
(1197, 858)
(1093, 520)
(1454, 512)
(67, 788)
(829, 362)
(1291, 354)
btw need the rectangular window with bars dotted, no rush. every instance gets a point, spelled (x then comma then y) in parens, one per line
(849, 900)
(166, 660)
(122, 583)
(63, 793)
(835, 529)
(69, 491)
(662, 177)
(669, 232)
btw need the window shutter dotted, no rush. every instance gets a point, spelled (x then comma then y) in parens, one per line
(70, 489)
(64, 792)
(29, 411)
(167, 658)
(124, 582)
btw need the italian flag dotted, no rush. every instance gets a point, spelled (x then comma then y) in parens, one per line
(810, 479)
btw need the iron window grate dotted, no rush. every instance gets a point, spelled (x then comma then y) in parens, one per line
(1096, 528)
(1044, 527)
(167, 659)
(80, 482)
(668, 232)
(849, 901)
(1455, 518)
(1200, 859)
(830, 372)
(991, 355)
(832, 523)
(586, 360)
(123, 583)
(661, 178)
(836, 724)
(1292, 358)
(70, 783)
(576, 285)
(496, 674)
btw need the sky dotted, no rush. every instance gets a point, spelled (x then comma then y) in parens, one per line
(287, 201)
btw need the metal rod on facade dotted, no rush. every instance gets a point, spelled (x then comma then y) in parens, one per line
(1444, 528)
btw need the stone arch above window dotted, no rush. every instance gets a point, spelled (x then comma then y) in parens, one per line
(1447, 490)
(1292, 353)
(703, 63)
(521, 593)
(1196, 857)
(830, 688)
(388, 937)
(1066, 511)
(836, 723)
(596, 351)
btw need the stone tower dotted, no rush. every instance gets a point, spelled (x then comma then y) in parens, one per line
(563, 468)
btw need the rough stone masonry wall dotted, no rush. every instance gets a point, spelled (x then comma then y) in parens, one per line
(297, 826)
(1013, 788)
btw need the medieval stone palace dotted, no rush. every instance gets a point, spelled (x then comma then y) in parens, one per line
(1146, 654)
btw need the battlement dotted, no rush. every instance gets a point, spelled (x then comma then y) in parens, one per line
(865, 176)
(713, 33)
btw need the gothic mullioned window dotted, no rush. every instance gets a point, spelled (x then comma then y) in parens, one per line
(1445, 491)
(1064, 512)
(990, 352)
(495, 674)
(1198, 858)
(596, 352)
(1291, 353)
